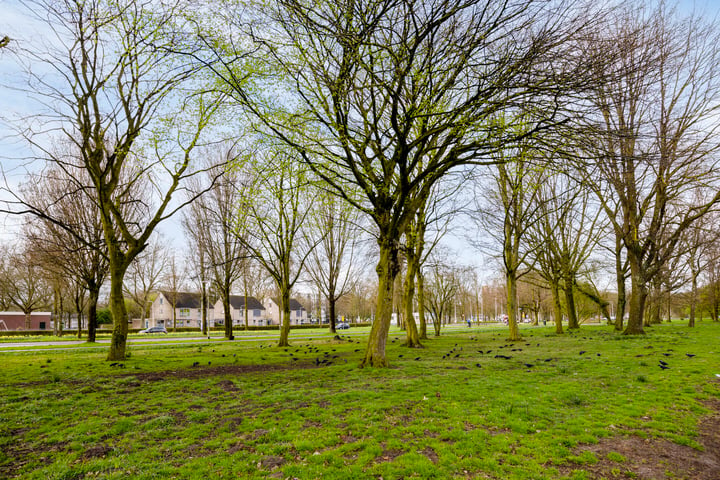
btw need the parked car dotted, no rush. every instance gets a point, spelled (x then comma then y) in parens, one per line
(342, 326)
(154, 330)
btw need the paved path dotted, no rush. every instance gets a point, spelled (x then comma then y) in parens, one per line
(164, 340)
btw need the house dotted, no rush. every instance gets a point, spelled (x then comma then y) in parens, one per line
(188, 310)
(17, 321)
(298, 314)
(256, 311)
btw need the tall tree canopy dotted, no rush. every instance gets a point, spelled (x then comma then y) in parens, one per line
(388, 96)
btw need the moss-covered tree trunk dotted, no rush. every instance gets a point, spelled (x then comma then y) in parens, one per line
(638, 297)
(119, 314)
(387, 269)
(569, 289)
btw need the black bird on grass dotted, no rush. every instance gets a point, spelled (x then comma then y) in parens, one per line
(663, 367)
(689, 355)
(662, 363)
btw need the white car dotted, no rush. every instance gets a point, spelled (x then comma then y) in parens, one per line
(154, 330)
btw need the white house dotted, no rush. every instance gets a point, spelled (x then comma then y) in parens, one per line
(256, 311)
(188, 310)
(298, 314)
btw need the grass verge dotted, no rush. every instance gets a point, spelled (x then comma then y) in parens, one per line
(468, 405)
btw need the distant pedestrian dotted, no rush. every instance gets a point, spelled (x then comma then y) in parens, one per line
(469, 323)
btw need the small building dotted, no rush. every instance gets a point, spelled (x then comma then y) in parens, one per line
(16, 321)
(298, 314)
(188, 310)
(256, 311)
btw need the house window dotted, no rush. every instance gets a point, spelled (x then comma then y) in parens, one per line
(184, 312)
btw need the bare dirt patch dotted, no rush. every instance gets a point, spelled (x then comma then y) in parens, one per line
(388, 455)
(204, 372)
(96, 451)
(430, 454)
(271, 462)
(656, 458)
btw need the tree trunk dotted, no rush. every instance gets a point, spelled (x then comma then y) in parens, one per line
(421, 305)
(573, 323)
(437, 322)
(411, 331)
(285, 317)
(228, 316)
(512, 306)
(204, 312)
(119, 315)
(693, 301)
(245, 304)
(93, 295)
(637, 299)
(557, 306)
(620, 279)
(387, 269)
(331, 312)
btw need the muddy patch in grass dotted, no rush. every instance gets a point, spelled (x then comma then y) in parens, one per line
(204, 372)
(96, 451)
(228, 386)
(632, 457)
(430, 454)
(388, 455)
(271, 462)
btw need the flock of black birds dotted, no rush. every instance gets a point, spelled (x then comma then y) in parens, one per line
(327, 358)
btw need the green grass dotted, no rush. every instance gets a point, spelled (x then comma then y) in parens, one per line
(248, 410)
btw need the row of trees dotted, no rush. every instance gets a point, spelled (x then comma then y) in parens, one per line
(566, 113)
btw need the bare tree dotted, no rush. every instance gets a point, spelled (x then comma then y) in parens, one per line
(699, 247)
(174, 280)
(213, 219)
(563, 238)
(25, 284)
(441, 289)
(272, 225)
(332, 264)
(84, 259)
(657, 125)
(108, 79)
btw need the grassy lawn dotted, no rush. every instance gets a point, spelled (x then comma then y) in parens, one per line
(451, 410)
